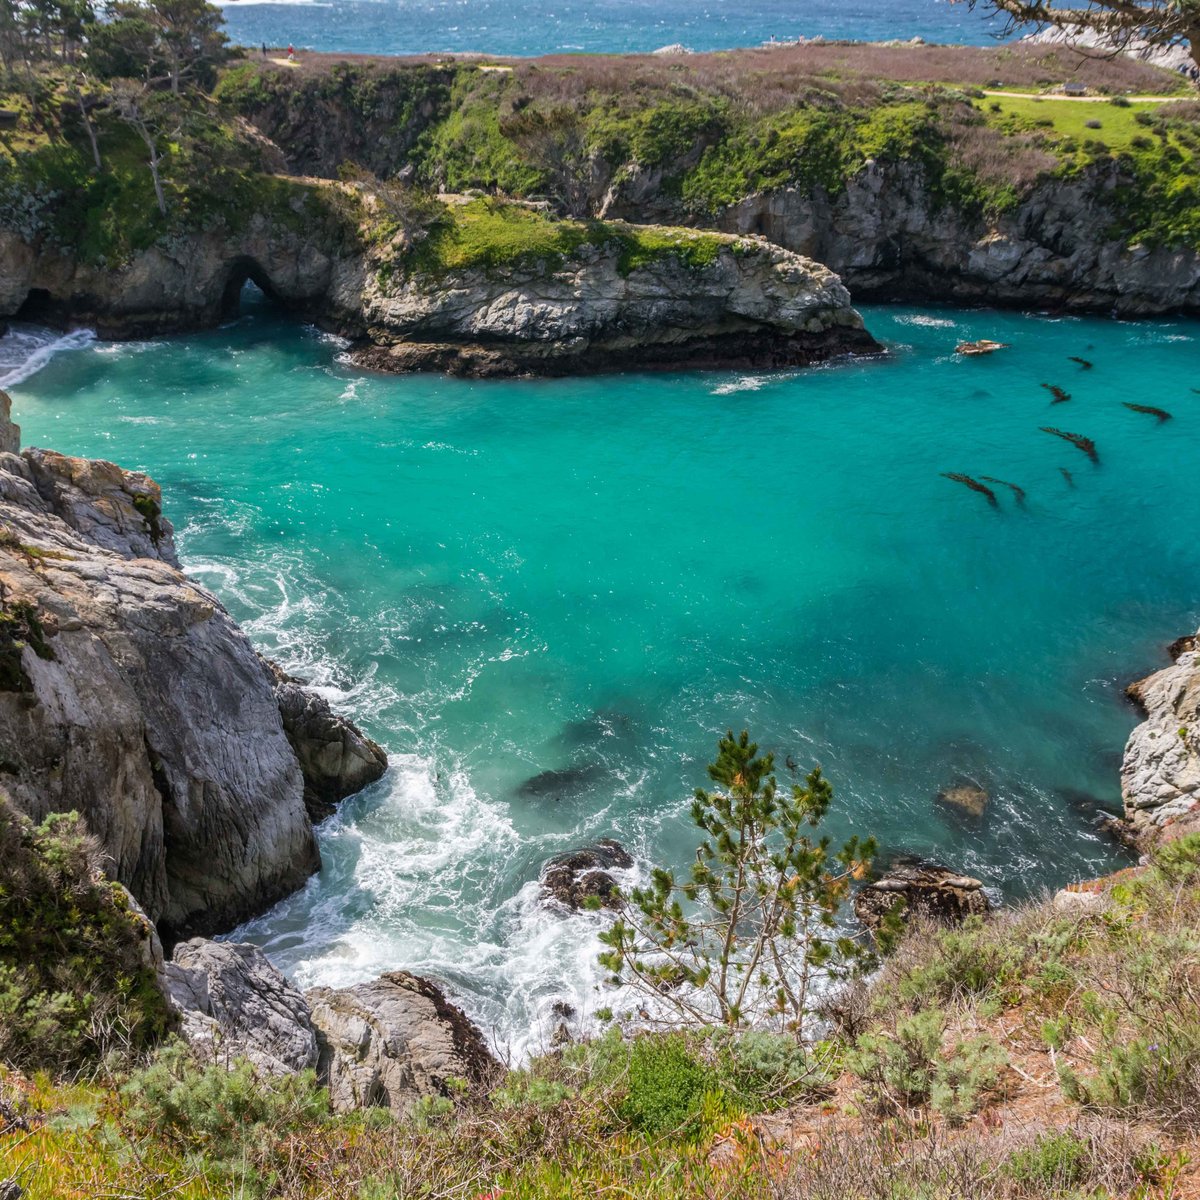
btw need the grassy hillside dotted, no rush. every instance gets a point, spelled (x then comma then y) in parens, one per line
(1045, 1052)
(692, 135)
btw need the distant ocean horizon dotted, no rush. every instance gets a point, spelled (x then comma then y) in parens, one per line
(537, 27)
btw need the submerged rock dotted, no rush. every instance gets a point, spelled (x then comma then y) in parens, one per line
(389, 1042)
(926, 889)
(1160, 773)
(574, 878)
(966, 797)
(336, 759)
(233, 1003)
(564, 781)
(128, 694)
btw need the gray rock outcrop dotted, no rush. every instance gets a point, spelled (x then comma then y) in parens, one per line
(128, 694)
(336, 759)
(574, 878)
(1160, 773)
(925, 890)
(752, 304)
(10, 434)
(388, 1042)
(233, 1003)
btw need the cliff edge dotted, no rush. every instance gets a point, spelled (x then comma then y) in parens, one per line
(128, 694)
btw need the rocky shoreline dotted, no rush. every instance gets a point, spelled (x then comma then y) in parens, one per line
(710, 300)
(128, 694)
(1160, 773)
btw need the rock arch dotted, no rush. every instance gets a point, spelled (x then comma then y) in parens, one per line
(240, 271)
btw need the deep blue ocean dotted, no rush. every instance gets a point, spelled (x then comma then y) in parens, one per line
(532, 27)
(598, 576)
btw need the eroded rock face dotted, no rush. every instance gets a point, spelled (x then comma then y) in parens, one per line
(1160, 773)
(391, 1041)
(754, 304)
(888, 238)
(336, 759)
(10, 434)
(234, 1004)
(574, 878)
(927, 890)
(127, 693)
(188, 283)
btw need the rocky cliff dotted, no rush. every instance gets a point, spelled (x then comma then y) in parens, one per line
(707, 300)
(889, 238)
(853, 156)
(127, 693)
(529, 295)
(1160, 775)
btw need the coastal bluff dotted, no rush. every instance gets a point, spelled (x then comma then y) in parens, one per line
(128, 694)
(487, 289)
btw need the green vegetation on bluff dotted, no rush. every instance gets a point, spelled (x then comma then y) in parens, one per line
(491, 235)
(76, 975)
(679, 140)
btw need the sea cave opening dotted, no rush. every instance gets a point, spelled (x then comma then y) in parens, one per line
(247, 289)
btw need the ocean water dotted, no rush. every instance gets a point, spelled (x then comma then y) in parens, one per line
(531, 27)
(597, 576)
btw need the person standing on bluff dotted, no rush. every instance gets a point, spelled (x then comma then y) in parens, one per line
(291, 54)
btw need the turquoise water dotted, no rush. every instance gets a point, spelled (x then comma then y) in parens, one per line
(599, 575)
(525, 27)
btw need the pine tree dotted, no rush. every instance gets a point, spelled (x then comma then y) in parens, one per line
(751, 933)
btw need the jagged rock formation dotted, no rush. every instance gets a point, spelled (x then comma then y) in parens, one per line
(574, 878)
(127, 693)
(192, 282)
(926, 890)
(336, 759)
(1160, 774)
(380, 1044)
(388, 1042)
(234, 1004)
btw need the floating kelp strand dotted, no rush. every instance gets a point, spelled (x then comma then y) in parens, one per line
(1149, 410)
(1060, 397)
(1076, 439)
(974, 485)
(1083, 362)
(1018, 492)
(1067, 476)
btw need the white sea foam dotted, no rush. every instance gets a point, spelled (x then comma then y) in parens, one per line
(26, 349)
(415, 880)
(748, 383)
(927, 322)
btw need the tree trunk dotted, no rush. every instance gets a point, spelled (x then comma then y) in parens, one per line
(91, 130)
(158, 187)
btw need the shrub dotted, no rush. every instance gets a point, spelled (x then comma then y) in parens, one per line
(231, 1115)
(909, 1067)
(1054, 1162)
(768, 1070)
(667, 1086)
(76, 979)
